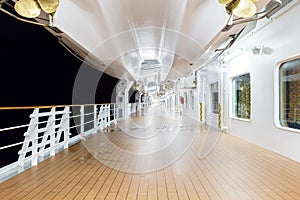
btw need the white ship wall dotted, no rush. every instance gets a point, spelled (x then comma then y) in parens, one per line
(282, 36)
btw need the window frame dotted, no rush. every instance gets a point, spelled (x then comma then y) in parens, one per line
(211, 99)
(277, 97)
(232, 116)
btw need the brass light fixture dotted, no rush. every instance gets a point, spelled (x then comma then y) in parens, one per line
(33, 8)
(240, 8)
(28, 8)
(49, 6)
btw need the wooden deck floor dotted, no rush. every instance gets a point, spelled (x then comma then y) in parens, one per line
(235, 169)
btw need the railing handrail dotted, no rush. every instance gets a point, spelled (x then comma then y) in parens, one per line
(49, 106)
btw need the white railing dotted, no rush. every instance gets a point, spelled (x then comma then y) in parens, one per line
(49, 131)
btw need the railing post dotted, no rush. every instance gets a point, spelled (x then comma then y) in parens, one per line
(30, 136)
(95, 118)
(111, 113)
(104, 116)
(100, 116)
(33, 136)
(64, 128)
(115, 112)
(82, 122)
(51, 130)
(65, 125)
(107, 115)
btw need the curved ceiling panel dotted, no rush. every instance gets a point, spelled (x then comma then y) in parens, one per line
(123, 34)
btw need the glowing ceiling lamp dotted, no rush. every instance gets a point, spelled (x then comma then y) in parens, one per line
(33, 8)
(240, 8)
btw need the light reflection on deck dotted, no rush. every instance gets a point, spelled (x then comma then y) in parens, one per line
(141, 144)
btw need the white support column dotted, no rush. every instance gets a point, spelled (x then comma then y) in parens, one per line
(202, 96)
(120, 106)
(223, 98)
(122, 100)
(126, 101)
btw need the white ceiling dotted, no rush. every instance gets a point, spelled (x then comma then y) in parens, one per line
(123, 33)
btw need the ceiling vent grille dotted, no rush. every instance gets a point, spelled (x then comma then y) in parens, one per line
(150, 65)
(151, 62)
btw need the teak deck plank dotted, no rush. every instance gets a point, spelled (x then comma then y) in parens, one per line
(234, 169)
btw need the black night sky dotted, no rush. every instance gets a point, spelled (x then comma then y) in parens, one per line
(32, 58)
(35, 70)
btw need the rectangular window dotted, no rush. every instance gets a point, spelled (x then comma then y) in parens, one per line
(214, 98)
(289, 81)
(241, 103)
